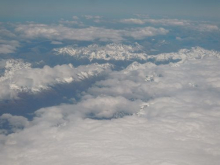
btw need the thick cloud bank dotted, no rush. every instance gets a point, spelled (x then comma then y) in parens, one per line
(145, 114)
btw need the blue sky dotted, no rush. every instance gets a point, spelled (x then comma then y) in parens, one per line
(31, 9)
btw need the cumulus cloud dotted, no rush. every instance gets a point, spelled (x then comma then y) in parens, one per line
(145, 114)
(61, 32)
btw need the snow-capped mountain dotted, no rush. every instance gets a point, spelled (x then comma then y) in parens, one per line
(11, 66)
(185, 54)
(108, 52)
(128, 52)
(37, 79)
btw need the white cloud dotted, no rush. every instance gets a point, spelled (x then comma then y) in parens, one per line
(141, 33)
(6, 33)
(61, 32)
(56, 43)
(8, 43)
(175, 118)
(7, 47)
(92, 16)
(20, 77)
(149, 80)
(169, 22)
(16, 122)
(207, 27)
(133, 21)
(69, 22)
(165, 22)
(195, 25)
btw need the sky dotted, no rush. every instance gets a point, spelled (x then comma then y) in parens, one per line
(38, 10)
(109, 82)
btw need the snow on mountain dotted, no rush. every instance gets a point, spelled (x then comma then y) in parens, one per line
(175, 116)
(185, 54)
(148, 80)
(11, 66)
(108, 52)
(20, 77)
(128, 52)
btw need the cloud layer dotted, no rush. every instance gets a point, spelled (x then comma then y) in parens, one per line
(145, 114)
(195, 25)
(60, 32)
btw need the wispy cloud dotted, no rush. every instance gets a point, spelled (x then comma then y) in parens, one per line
(7, 47)
(133, 21)
(195, 25)
(167, 22)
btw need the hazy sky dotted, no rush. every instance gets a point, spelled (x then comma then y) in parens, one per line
(53, 9)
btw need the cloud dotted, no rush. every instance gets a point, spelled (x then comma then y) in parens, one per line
(16, 122)
(56, 43)
(146, 81)
(133, 21)
(60, 32)
(207, 28)
(20, 77)
(165, 22)
(145, 114)
(141, 33)
(75, 17)
(92, 17)
(195, 25)
(100, 107)
(6, 33)
(7, 47)
(169, 22)
(62, 21)
(8, 42)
